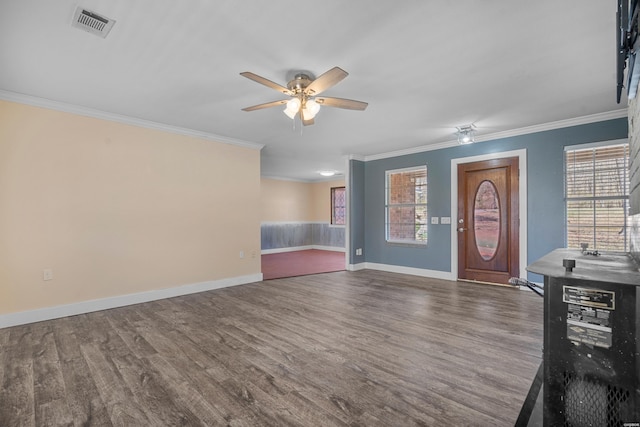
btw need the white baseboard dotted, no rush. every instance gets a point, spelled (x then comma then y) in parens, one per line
(423, 272)
(48, 313)
(329, 248)
(301, 248)
(357, 267)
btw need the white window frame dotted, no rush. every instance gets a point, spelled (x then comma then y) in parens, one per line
(387, 206)
(595, 198)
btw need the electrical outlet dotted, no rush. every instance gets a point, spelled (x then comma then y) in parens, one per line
(253, 254)
(47, 274)
(241, 254)
(359, 251)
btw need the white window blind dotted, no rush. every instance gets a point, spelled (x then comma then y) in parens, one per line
(597, 197)
(406, 205)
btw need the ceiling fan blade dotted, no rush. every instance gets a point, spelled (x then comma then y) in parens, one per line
(325, 81)
(266, 105)
(266, 82)
(348, 104)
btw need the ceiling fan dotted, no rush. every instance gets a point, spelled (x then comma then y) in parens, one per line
(304, 92)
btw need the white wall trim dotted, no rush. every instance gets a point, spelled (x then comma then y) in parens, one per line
(596, 144)
(522, 164)
(284, 178)
(356, 267)
(583, 120)
(48, 313)
(296, 223)
(103, 115)
(301, 248)
(337, 177)
(422, 272)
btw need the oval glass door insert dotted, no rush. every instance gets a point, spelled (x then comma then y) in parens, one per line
(486, 220)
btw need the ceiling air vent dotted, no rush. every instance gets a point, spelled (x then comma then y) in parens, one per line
(92, 22)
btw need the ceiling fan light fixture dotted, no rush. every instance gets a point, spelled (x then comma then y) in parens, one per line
(306, 114)
(312, 106)
(466, 134)
(293, 106)
(290, 113)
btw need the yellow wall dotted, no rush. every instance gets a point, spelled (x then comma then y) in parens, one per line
(321, 196)
(115, 209)
(292, 201)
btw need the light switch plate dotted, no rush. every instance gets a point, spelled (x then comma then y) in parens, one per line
(445, 220)
(434, 220)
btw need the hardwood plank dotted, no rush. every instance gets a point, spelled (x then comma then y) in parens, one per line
(347, 348)
(184, 364)
(16, 396)
(51, 407)
(189, 392)
(151, 394)
(81, 393)
(122, 406)
(4, 345)
(122, 326)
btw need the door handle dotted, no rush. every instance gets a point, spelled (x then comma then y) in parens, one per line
(461, 229)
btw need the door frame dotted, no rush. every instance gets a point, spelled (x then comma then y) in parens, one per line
(522, 161)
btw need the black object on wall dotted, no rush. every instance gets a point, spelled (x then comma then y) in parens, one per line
(627, 45)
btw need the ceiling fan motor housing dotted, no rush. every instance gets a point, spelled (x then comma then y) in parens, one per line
(299, 83)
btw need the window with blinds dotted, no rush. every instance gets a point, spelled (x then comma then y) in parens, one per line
(338, 206)
(597, 197)
(406, 205)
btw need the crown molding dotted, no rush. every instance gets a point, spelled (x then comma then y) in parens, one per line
(337, 177)
(285, 178)
(133, 121)
(577, 121)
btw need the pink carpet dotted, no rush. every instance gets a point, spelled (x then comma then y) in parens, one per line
(300, 263)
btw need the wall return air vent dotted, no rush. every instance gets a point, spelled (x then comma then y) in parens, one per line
(92, 22)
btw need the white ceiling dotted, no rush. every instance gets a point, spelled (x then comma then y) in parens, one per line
(424, 67)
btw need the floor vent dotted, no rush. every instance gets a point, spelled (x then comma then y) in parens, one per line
(92, 22)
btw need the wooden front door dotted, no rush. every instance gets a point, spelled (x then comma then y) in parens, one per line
(488, 220)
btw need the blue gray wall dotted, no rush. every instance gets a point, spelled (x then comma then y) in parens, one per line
(356, 211)
(546, 224)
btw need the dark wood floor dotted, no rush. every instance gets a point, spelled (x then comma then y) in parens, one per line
(363, 348)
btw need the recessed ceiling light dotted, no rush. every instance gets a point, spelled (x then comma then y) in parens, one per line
(327, 173)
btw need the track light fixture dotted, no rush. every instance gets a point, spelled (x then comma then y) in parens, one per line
(466, 134)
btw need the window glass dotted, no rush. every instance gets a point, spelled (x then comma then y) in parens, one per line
(597, 197)
(406, 205)
(338, 206)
